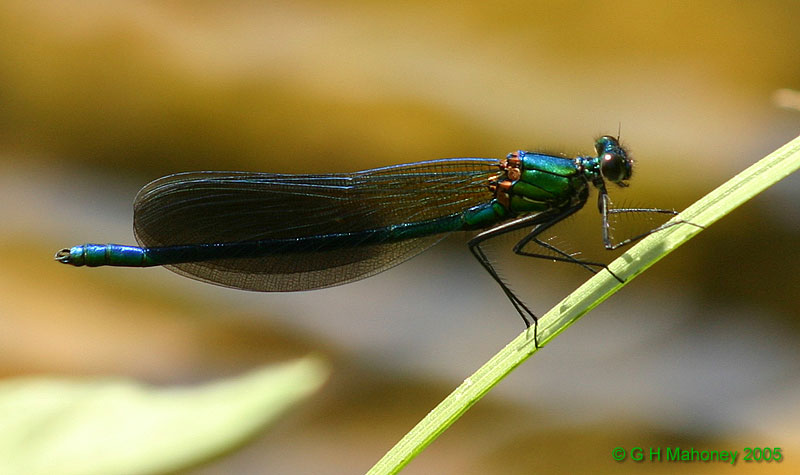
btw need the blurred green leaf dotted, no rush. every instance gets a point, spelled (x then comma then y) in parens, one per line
(65, 426)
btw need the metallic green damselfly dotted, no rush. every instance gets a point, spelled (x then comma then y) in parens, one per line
(280, 233)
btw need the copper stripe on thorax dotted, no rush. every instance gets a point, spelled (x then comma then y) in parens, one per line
(511, 166)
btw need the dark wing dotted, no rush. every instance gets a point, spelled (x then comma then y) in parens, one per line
(219, 207)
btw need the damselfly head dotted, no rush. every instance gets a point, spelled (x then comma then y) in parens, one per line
(615, 165)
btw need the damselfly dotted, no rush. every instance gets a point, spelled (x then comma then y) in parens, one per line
(280, 233)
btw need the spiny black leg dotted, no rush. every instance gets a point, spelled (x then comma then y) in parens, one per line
(562, 256)
(605, 210)
(527, 315)
(475, 247)
(477, 251)
(518, 304)
(566, 257)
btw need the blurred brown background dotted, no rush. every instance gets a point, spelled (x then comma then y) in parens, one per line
(97, 98)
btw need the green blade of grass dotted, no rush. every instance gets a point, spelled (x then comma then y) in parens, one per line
(650, 250)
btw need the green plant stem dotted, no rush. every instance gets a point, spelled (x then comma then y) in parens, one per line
(650, 250)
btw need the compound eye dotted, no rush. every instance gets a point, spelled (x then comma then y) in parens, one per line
(604, 143)
(613, 167)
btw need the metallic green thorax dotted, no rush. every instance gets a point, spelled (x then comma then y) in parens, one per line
(534, 182)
